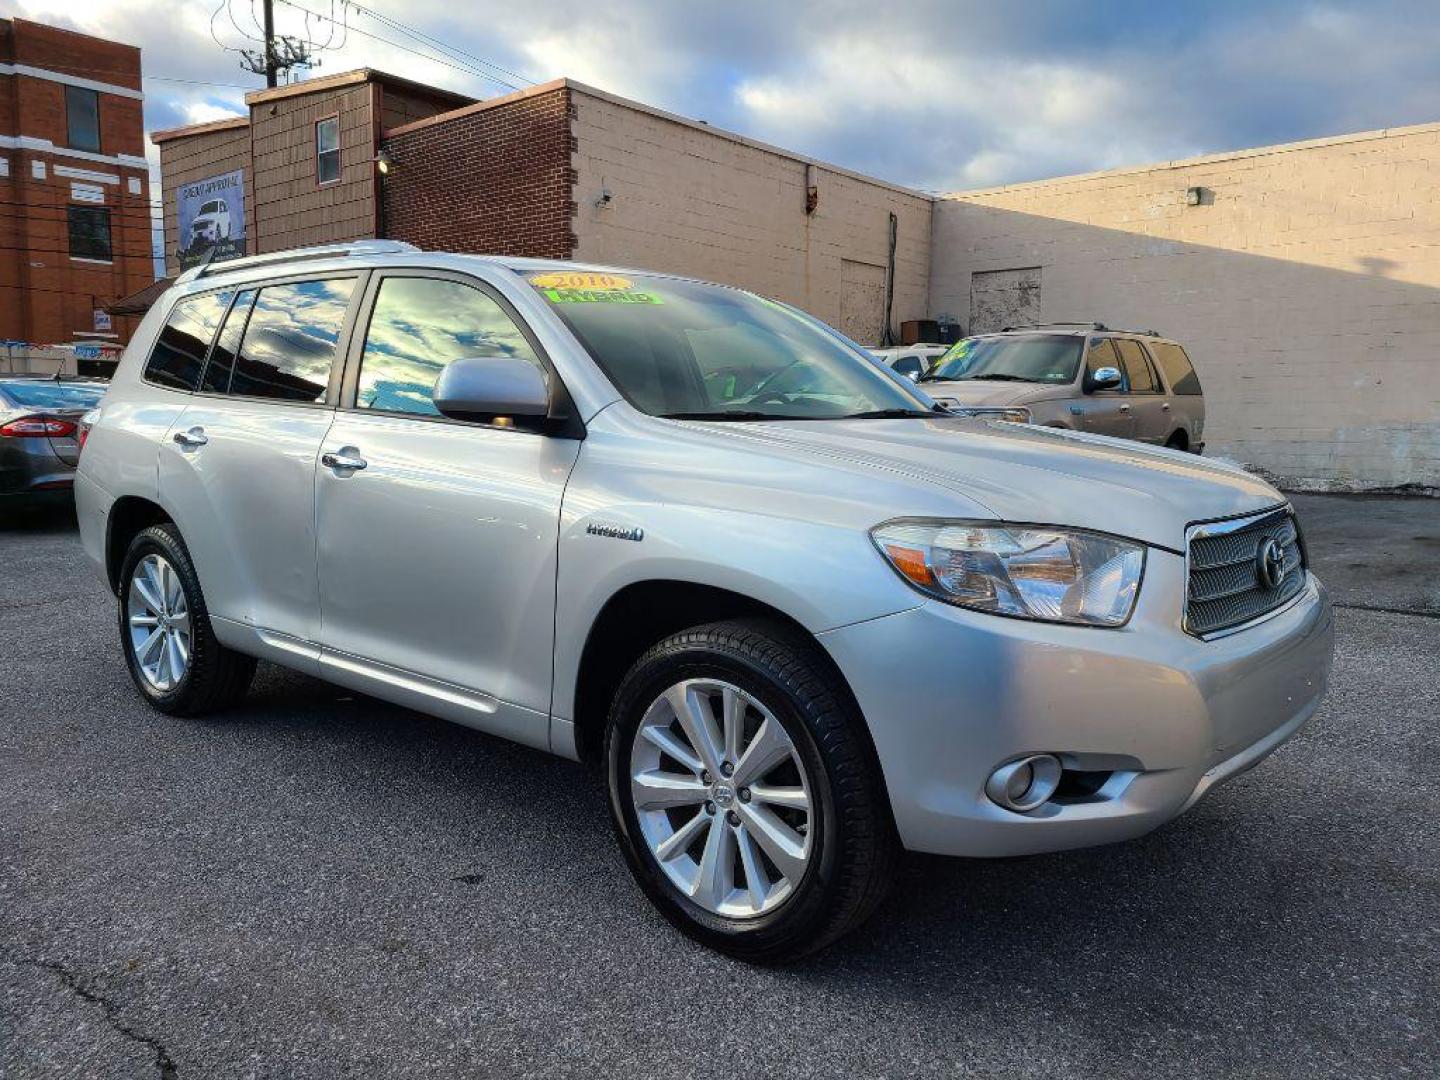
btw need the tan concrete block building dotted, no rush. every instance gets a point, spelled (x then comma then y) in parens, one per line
(1302, 278)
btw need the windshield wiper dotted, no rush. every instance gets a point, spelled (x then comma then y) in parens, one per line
(731, 414)
(885, 414)
(997, 376)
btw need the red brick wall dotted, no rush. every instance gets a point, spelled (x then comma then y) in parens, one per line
(492, 179)
(47, 296)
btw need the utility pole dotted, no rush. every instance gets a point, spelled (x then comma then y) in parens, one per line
(270, 43)
(280, 53)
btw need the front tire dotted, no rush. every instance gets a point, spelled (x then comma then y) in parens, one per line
(174, 658)
(745, 791)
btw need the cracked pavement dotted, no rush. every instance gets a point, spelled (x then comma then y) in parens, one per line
(321, 885)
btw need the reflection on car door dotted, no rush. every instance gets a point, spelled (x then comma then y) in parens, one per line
(1148, 404)
(238, 466)
(438, 539)
(1105, 412)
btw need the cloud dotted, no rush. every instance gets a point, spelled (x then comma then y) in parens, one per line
(938, 94)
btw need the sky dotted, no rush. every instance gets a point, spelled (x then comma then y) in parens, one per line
(939, 96)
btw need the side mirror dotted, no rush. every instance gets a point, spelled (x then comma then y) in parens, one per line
(480, 387)
(1105, 378)
(913, 375)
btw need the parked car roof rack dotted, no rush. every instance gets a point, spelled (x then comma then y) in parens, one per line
(1090, 325)
(1041, 325)
(323, 251)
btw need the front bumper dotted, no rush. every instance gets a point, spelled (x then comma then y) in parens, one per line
(951, 694)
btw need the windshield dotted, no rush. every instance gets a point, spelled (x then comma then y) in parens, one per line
(1040, 358)
(49, 395)
(687, 350)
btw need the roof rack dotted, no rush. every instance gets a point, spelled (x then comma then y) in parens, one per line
(1090, 325)
(323, 251)
(1041, 325)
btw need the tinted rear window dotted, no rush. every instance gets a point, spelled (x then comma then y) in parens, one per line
(1179, 372)
(180, 350)
(57, 396)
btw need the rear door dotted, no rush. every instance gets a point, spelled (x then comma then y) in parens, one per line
(238, 467)
(1104, 412)
(437, 538)
(1149, 406)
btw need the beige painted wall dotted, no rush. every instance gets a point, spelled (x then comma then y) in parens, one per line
(693, 200)
(1306, 287)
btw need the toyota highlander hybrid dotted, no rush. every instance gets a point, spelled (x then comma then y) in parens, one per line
(803, 618)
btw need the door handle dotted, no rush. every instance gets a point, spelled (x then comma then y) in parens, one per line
(194, 437)
(1124, 407)
(1165, 407)
(343, 462)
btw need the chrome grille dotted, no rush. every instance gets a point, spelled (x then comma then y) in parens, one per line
(1226, 586)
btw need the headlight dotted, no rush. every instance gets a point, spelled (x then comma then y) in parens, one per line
(1060, 575)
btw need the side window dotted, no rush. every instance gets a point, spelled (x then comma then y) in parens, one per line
(1137, 368)
(179, 351)
(1179, 372)
(82, 119)
(288, 347)
(417, 327)
(1101, 355)
(222, 357)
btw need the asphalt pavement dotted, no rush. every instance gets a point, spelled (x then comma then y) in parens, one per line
(321, 885)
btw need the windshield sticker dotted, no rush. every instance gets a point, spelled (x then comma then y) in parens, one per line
(574, 279)
(599, 296)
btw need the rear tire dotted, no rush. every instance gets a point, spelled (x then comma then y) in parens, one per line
(806, 847)
(172, 653)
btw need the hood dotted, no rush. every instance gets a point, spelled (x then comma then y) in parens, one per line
(1036, 475)
(985, 392)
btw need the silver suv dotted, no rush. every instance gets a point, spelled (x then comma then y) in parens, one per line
(803, 620)
(1085, 377)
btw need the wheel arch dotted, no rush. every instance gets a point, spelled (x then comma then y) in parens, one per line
(644, 612)
(128, 517)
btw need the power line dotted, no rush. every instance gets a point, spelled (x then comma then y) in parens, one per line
(421, 36)
(467, 69)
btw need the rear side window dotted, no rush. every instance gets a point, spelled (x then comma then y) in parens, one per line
(179, 352)
(421, 324)
(1137, 368)
(1179, 372)
(289, 343)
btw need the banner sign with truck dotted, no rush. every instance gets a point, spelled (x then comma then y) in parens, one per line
(212, 217)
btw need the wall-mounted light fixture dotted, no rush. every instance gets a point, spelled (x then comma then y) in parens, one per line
(384, 162)
(603, 199)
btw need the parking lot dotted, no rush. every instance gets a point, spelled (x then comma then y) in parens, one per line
(322, 885)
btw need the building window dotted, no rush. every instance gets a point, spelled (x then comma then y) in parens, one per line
(82, 119)
(327, 150)
(89, 232)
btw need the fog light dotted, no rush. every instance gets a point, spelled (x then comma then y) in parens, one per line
(1025, 783)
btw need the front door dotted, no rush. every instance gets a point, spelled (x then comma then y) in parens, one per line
(237, 468)
(438, 539)
(1104, 412)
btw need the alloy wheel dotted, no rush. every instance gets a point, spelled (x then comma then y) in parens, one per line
(158, 619)
(722, 798)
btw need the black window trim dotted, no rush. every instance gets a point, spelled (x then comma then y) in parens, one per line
(564, 421)
(337, 365)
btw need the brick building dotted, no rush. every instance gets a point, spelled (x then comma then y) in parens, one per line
(74, 184)
(1304, 279)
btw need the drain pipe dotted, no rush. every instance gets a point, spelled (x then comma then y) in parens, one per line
(888, 337)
